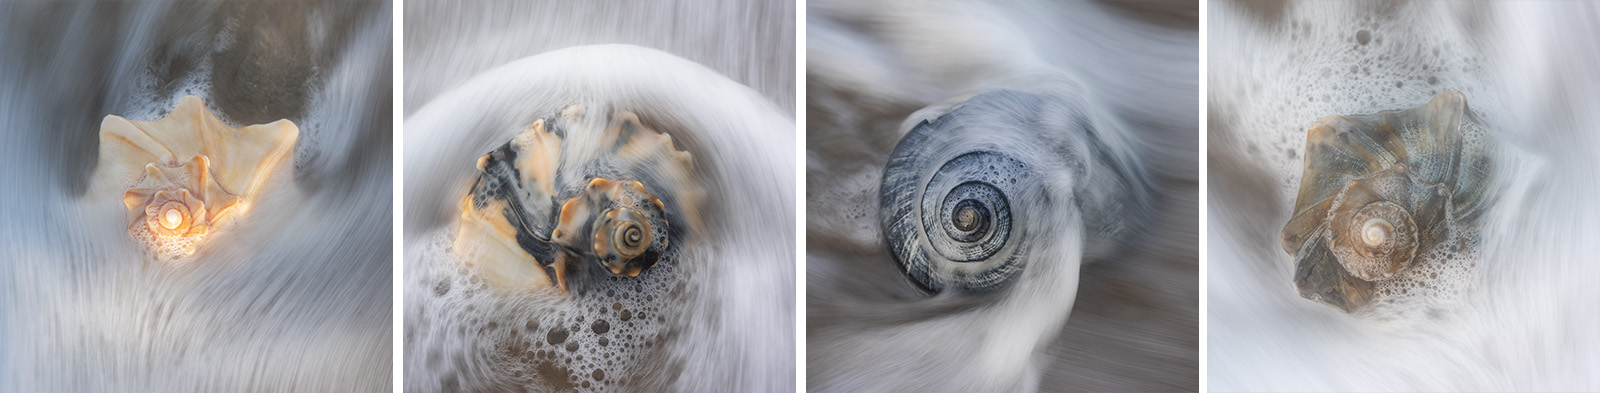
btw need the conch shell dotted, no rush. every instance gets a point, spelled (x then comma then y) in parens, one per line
(186, 174)
(544, 208)
(1379, 191)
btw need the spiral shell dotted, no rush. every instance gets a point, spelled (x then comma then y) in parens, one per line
(186, 174)
(628, 226)
(545, 208)
(961, 190)
(1380, 190)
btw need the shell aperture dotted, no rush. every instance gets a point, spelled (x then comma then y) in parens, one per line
(186, 174)
(538, 217)
(960, 189)
(1379, 191)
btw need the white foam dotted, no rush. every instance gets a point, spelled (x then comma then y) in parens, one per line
(589, 341)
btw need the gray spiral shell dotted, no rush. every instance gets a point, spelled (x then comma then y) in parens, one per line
(960, 190)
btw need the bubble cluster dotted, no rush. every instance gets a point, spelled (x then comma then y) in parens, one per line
(537, 341)
(163, 247)
(1440, 278)
(1332, 62)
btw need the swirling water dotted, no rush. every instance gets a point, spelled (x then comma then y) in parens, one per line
(1123, 320)
(295, 296)
(719, 79)
(717, 317)
(1520, 315)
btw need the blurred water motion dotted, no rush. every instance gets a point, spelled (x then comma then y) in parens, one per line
(718, 78)
(751, 42)
(1524, 318)
(295, 296)
(1132, 324)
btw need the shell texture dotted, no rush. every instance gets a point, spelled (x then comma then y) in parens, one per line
(185, 175)
(542, 214)
(1378, 191)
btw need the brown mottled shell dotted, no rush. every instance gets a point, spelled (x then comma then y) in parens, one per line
(1378, 191)
(187, 173)
(626, 226)
(547, 203)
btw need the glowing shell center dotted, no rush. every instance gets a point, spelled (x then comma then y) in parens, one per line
(1375, 231)
(172, 218)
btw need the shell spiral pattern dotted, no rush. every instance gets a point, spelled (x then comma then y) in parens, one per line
(959, 190)
(1381, 190)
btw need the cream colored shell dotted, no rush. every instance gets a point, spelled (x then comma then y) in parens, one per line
(190, 166)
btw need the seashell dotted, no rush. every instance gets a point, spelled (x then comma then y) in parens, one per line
(186, 174)
(964, 192)
(1379, 191)
(627, 226)
(543, 208)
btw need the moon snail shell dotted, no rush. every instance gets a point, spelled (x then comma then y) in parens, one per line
(962, 189)
(540, 214)
(1379, 191)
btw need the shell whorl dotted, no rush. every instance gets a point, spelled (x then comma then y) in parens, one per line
(957, 228)
(961, 190)
(1376, 241)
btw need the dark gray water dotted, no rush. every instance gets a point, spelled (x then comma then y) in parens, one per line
(295, 296)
